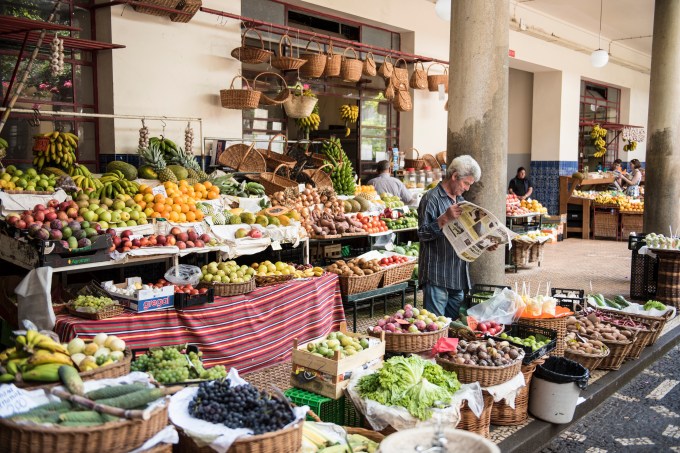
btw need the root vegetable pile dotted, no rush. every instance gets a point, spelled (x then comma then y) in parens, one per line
(357, 267)
(484, 353)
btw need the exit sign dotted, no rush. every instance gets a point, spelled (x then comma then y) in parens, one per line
(511, 53)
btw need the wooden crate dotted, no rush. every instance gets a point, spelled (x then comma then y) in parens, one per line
(332, 251)
(606, 223)
(329, 377)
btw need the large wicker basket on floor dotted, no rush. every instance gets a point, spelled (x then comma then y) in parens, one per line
(112, 437)
(407, 343)
(287, 440)
(618, 350)
(559, 325)
(590, 361)
(504, 415)
(470, 422)
(487, 376)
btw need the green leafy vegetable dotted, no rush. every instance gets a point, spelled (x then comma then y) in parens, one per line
(654, 304)
(412, 383)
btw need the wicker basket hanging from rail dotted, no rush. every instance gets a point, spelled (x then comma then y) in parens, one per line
(333, 62)
(283, 62)
(243, 158)
(239, 98)
(315, 61)
(189, 7)
(418, 79)
(370, 69)
(434, 80)
(280, 97)
(387, 68)
(399, 74)
(351, 68)
(298, 105)
(402, 98)
(250, 54)
(167, 4)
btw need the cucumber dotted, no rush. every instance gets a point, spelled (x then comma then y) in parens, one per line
(110, 418)
(81, 416)
(135, 399)
(114, 391)
(39, 418)
(599, 298)
(621, 301)
(610, 303)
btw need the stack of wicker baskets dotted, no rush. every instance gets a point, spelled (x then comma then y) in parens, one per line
(504, 415)
(559, 325)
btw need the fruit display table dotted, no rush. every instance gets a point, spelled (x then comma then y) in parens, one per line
(249, 332)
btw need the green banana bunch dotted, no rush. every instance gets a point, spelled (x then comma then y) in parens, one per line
(3, 143)
(166, 145)
(78, 169)
(341, 173)
(254, 188)
(60, 150)
(310, 123)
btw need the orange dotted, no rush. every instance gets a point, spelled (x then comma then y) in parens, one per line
(190, 216)
(155, 215)
(177, 208)
(159, 207)
(169, 201)
(199, 216)
(159, 198)
(185, 208)
(213, 196)
(142, 204)
(207, 184)
(173, 217)
(182, 216)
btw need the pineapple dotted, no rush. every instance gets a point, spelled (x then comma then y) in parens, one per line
(178, 156)
(154, 156)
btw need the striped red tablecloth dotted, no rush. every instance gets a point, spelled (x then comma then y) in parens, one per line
(248, 332)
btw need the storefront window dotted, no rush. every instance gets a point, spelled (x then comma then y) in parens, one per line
(600, 104)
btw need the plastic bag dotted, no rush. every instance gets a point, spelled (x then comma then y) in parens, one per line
(183, 274)
(563, 371)
(501, 307)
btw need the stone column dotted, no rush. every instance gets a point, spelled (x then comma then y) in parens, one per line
(478, 109)
(662, 181)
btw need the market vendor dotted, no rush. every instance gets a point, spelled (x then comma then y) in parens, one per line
(616, 169)
(385, 183)
(632, 183)
(520, 185)
(443, 276)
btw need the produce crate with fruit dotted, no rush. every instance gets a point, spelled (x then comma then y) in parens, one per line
(138, 297)
(324, 367)
(398, 268)
(411, 330)
(535, 341)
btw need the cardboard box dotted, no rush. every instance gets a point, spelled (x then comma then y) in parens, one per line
(332, 251)
(144, 300)
(329, 377)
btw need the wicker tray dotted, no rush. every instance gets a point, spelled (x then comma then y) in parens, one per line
(107, 312)
(485, 375)
(411, 342)
(504, 415)
(653, 323)
(269, 280)
(590, 361)
(559, 325)
(112, 437)
(470, 422)
(355, 285)
(230, 289)
(320, 178)
(399, 273)
(242, 157)
(287, 440)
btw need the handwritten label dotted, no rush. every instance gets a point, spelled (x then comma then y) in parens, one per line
(406, 210)
(159, 190)
(301, 187)
(408, 244)
(13, 400)
(276, 245)
(198, 228)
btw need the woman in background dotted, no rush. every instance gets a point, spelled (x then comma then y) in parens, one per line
(632, 183)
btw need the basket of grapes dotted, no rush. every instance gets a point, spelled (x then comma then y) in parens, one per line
(176, 365)
(94, 307)
(265, 422)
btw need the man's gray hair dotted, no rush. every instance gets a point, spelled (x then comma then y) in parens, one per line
(464, 166)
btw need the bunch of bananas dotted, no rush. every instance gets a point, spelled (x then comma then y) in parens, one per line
(35, 357)
(310, 123)
(60, 151)
(630, 146)
(342, 173)
(78, 169)
(598, 134)
(114, 183)
(3, 143)
(86, 183)
(349, 113)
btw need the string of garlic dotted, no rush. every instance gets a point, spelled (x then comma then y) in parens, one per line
(188, 137)
(56, 56)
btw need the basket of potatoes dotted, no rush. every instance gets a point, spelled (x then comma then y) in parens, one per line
(589, 353)
(619, 340)
(357, 275)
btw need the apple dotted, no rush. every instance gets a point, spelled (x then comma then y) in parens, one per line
(199, 243)
(182, 236)
(160, 240)
(190, 244)
(111, 231)
(53, 203)
(192, 236)
(205, 237)
(126, 233)
(181, 245)
(175, 231)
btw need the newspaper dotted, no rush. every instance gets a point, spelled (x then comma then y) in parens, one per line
(475, 231)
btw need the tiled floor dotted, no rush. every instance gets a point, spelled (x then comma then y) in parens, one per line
(596, 266)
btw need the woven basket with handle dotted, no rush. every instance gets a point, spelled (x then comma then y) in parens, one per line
(333, 62)
(441, 158)
(469, 421)
(273, 182)
(416, 163)
(387, 68)
(315, 61)
(275, 159)
(418, 79)
(283, 62)
(280, 97)
(239, 99)
(320, 178)
(504, 415)
(402, 98)
(190, 7)
(287, 440)
(230, 289)
(169, 4)
(412, 342)
(350, 68)
(431, 161)
(434, 80)
(250, 54)
(400, 75)
(487, 376)
(244, 158)
(299, 106)
(369, 68)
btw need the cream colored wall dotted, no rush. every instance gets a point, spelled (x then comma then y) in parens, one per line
(520, 100)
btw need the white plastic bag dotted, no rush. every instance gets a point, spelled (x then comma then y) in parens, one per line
(501, 307)
(183, 274)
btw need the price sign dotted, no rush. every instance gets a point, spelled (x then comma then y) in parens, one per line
(198, 228)
(159, 190)
(301, 187)
(13, 400)
(276, 245)
(406, 210)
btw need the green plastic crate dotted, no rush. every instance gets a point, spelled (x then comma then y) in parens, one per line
(340, 411)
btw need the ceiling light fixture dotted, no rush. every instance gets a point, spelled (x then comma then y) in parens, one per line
(443, 9)
(599, 57)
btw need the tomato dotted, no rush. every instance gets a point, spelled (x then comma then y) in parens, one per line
(384, 261)
(193, 292)
(360, 216)
(203, 290)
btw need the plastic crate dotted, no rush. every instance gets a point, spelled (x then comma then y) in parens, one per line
(183, 301)
(481, 292)
(524, 331)
(644, 270)
(569, 298)
(340, 411)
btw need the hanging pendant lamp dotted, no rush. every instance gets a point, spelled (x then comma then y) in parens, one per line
(443, 9)
(600, 57)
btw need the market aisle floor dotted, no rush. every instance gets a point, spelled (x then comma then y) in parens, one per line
(643, 416)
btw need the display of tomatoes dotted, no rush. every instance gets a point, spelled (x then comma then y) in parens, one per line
(394, 259)
(372, 224)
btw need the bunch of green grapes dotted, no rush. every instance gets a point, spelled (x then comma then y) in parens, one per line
(216, 372)
(94, 302)
(168, 364)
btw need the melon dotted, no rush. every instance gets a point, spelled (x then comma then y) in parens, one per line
(129, 171)
(578, 175)
(147, 172)
(179, 171)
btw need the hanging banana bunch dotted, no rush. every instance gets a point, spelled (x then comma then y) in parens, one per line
(310, 123)
(144, 136)
(598, 134)
(56, 56)
(350, 114)
(630, 146)
(188, 137)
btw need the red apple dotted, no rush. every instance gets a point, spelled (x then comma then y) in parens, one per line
(53, 203)
(192, 234)
(28, 219)
(50, 215)
(182, 237)
(13, 219)
(79, 219)
(39, 207)
(111, 231)
(170, 240)
(175, 231)
(21, 224)
(39, 216)
(64, 205)
(190, 244)
(136, 243)
(116, 240)
(126, 233)
(199, 243)
(161, 240)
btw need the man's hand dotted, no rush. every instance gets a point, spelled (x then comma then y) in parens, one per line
(450, 214)
(492, 248)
